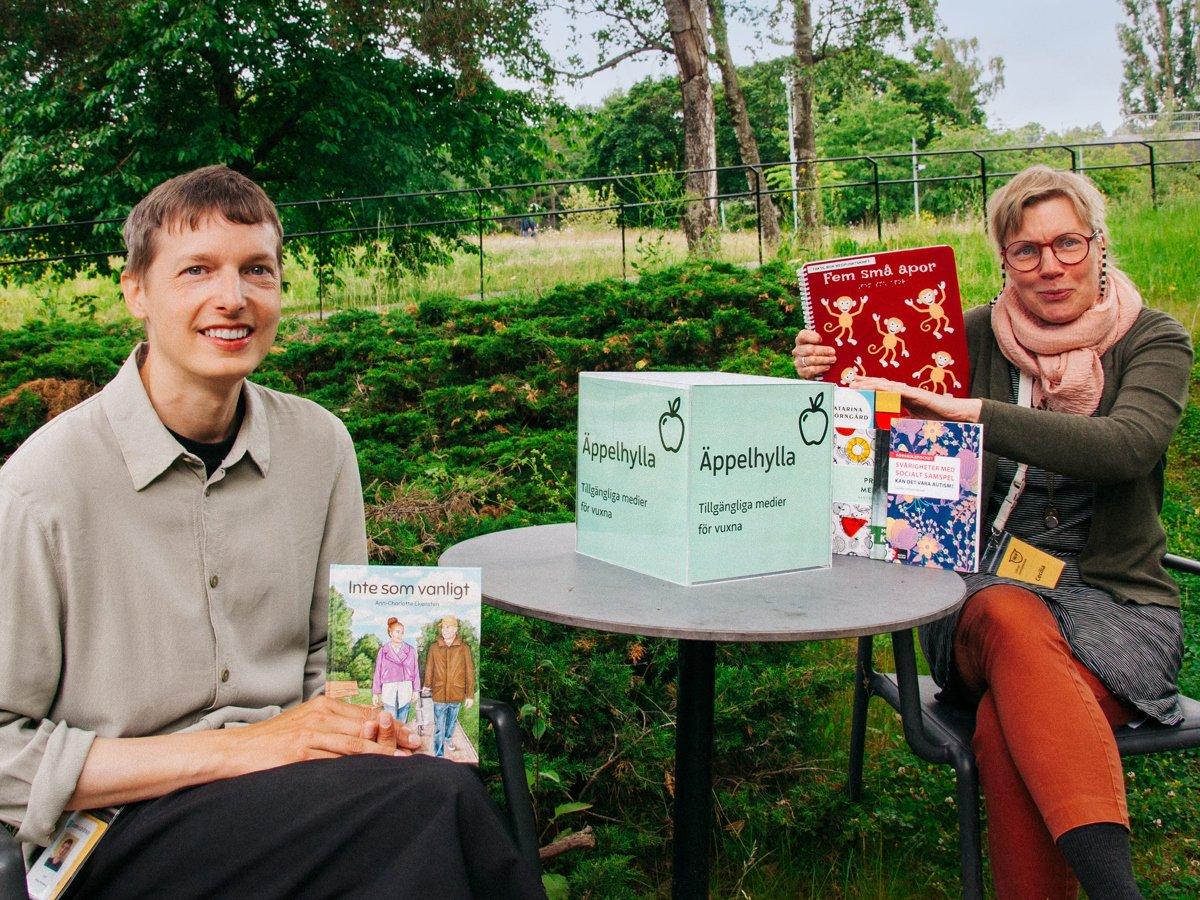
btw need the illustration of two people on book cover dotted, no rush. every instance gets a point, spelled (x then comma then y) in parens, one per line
(449, 678)
(407, 640)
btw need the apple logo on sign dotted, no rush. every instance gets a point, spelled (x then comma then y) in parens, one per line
(814, 421)
(670, 427)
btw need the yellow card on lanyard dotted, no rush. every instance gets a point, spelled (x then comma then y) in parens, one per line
(1024, 562)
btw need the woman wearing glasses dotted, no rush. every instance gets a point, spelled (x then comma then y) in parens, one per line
(1079, 387)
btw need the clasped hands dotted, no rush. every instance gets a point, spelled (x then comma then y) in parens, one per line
(321, 728)
(812, 358)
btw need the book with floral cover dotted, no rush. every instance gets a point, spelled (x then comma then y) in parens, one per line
(406, 639)
(933, 493)
(896, 314)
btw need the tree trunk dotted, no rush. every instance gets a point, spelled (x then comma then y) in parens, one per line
(804, 135)
(747, 144)
(690, 40)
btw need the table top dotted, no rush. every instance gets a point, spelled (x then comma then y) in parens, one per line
(536, 572)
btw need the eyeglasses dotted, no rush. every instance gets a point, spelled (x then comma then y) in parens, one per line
(1068, 249)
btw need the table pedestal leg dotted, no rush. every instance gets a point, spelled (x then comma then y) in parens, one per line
(693, 768)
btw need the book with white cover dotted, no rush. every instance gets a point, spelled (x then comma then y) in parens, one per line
(405, 639)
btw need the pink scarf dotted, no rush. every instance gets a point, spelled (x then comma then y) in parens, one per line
(1064, 360)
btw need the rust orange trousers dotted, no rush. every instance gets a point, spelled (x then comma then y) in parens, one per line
(1044, 742)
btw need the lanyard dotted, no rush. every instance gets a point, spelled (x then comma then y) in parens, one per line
(1024, 398)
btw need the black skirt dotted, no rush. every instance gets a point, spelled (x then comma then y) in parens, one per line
(359, 826)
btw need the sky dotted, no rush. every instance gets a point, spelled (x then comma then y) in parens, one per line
(1062, 62)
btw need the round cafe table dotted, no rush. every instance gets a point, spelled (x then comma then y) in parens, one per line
(536, 572)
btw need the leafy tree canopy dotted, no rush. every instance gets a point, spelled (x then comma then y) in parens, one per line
(640, 130)
(971, 81)
(340, 616)
(1160, 40)
(100, 101)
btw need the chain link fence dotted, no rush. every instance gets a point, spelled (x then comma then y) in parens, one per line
(420, 235)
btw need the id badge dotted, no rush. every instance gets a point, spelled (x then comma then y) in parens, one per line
(1011, 557)
(72, 844)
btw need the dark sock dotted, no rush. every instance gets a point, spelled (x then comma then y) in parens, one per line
(1099, 856)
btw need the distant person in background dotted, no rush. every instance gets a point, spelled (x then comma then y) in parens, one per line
(396, 678)
(1055, 669)
(450, 673)
(529, 223)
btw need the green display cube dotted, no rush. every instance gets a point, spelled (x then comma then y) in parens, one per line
(703, 476)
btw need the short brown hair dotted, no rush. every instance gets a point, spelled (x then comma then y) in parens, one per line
(1007, 206)
(187, 200)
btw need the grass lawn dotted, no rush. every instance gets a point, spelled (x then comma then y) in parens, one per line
(463, 418)
(515, 265)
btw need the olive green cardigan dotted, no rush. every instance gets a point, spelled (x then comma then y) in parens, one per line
(1121, 449)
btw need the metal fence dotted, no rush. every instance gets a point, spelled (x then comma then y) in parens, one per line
(861, 189)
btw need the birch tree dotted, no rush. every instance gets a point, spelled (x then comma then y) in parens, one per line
(677, 28)
(686, 20)
(839, 27)
(736, 103)
(1161, 45)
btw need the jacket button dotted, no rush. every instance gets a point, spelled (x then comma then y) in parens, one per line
(213, 581)
(224, 674)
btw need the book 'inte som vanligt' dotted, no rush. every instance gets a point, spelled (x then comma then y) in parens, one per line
(406, 639)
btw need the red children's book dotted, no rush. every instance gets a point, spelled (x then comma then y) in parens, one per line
(896, 314)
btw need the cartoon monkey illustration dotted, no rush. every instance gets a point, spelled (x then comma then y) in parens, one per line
(938, 373)
(845, 320)
(927, 302)
(889, 328)
(851, 372)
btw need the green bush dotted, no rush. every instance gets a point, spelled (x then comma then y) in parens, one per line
(463, 414)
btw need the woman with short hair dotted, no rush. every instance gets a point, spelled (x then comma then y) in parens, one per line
(1079, 387)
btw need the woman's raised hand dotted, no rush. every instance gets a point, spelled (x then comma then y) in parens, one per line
(810, 356)
(925, 404)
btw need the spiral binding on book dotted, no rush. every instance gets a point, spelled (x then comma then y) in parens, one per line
(806, 309)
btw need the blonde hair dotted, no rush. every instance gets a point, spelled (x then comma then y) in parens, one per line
(185, 200)
(1007, 206)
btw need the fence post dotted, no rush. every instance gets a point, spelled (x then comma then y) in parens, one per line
(479, 224)
(621, 217)
(982, 180)
(320, 262)
(1153, 174)
(878, 206)
(313, 222)
(758, 209)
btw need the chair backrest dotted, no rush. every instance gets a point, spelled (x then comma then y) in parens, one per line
(12, 868)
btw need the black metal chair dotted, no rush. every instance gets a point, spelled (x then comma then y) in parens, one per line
(518, 806)
(941, 732)
(12, 868)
